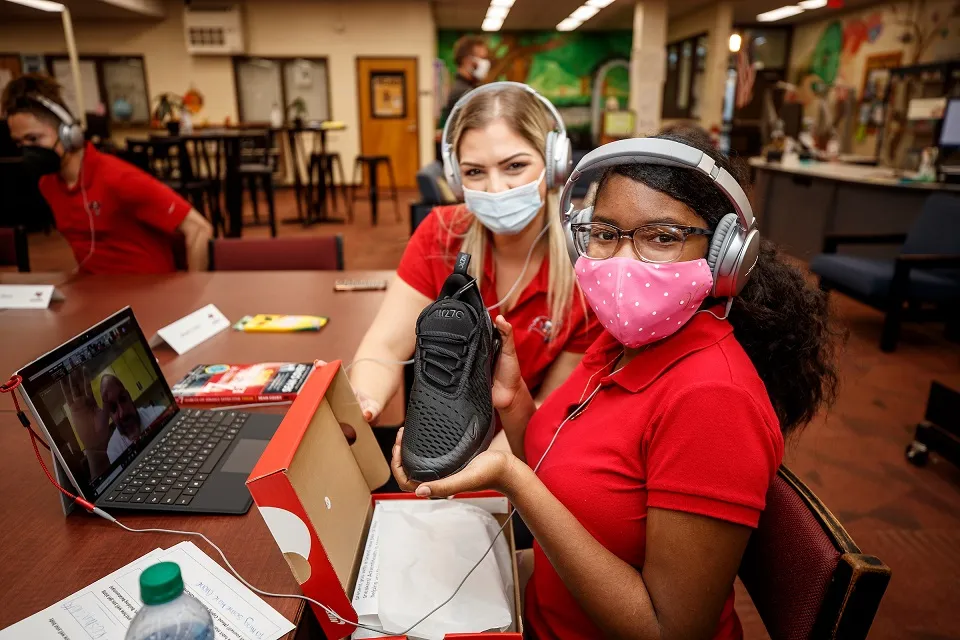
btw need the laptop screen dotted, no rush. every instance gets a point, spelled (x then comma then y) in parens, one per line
(102, 399)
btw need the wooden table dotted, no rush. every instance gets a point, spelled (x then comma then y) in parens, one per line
(46, 557)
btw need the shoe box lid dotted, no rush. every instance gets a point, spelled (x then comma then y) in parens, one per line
(313, 489)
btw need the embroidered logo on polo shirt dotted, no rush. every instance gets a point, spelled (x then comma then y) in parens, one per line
(543, 325)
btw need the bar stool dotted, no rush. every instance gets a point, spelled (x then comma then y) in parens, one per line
(373, 165)
(321, 165)
(260, 168)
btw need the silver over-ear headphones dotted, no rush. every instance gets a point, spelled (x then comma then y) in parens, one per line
(558, 155)
(735, 244)
(69, 131)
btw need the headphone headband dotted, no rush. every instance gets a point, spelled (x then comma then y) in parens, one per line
(662, 152)
(54, 108)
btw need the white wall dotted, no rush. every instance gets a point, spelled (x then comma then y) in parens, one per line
(339, 31)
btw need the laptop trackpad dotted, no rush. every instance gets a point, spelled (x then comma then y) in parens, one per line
(244, 456)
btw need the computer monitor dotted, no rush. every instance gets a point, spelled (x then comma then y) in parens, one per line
(950, 127)
(101, 398)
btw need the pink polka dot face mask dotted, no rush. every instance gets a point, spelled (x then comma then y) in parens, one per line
(640, 302)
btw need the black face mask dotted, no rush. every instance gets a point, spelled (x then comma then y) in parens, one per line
(41, 161)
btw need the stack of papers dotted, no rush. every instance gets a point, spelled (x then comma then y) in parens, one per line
(105, 609)
(417, 553)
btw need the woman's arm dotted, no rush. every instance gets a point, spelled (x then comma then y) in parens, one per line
(689, 567)
(392, 336)
(558, 373)
(197, 233)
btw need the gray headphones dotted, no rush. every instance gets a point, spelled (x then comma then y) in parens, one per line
(735, 244)
(558, 154)
(69, 131)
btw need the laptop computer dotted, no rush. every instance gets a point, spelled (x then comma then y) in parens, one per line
(114, 428)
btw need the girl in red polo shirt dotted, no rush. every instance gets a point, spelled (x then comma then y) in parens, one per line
(499, 137)
(644, 504)
(117, 218)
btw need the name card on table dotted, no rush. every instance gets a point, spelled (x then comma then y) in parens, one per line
(28, 296)
(191, 330)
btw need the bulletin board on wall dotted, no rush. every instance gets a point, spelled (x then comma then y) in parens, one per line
(388, 90)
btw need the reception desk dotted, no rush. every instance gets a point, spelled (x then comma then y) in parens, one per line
(797, 204)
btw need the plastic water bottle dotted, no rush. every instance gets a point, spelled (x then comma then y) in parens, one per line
(168, 612)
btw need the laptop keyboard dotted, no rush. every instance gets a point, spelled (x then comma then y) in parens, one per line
(185, 455)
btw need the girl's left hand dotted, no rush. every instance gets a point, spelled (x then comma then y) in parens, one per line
(491, 469)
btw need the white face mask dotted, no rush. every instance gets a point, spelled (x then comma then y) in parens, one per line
(482, 69)
(507, 212)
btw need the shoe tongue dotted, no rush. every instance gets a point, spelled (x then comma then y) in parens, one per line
(450, 316)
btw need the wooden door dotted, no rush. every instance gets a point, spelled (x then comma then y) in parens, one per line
(389, 113)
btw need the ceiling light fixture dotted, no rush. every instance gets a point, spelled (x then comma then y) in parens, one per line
(779, 14)
(812, 4)
(42, 5)
(491, 24)
(735, 42)
(583, 13)
(497, 13)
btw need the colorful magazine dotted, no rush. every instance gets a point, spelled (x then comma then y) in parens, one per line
(209, 384)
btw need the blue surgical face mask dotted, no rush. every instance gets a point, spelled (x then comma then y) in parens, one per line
(507, 212)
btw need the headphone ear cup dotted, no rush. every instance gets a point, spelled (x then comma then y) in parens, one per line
(564, 159)
(719, 247)
(451, 172)
(550, 160)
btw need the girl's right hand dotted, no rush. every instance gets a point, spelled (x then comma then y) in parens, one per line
(370, 408)
(507, 381)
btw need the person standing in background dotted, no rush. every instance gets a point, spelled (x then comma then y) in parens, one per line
(472, 57)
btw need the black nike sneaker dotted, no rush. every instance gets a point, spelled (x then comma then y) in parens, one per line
(450, 416)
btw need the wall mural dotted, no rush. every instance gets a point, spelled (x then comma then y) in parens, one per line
(578, 72)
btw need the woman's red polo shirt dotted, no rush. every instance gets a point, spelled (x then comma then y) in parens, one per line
(428, 260)
(687, 425)
(134, 216)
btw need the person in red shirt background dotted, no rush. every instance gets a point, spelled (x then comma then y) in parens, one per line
(116, 218)
(499, 137)
(643, 475)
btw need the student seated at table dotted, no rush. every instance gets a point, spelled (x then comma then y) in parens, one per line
(116, 218)
(499, 138)
(644, 503)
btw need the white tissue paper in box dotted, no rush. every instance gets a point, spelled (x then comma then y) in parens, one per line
(425, 548)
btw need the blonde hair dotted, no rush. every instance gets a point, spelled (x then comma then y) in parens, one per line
(527, 117)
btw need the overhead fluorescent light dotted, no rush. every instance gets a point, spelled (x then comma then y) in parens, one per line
(42, 5)
(584, 13)
(568, 25)
(779, 14)
(491, 24)
(502, 3)
(603, 4)
(812, 4)
(497, 13)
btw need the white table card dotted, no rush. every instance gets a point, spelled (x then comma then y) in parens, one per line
(192, 329)
(27, 296)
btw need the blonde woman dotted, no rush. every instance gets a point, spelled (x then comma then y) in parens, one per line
(497, 153)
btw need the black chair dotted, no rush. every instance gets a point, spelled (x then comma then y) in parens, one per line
(921, 284)
(321, 165)
(434, 192)
(373, 164)
(257, 165)
(14, 249)
(169, 160)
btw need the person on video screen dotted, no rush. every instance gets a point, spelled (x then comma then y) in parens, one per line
(103, 445)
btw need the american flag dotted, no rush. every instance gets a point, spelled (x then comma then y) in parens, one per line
(746, 75)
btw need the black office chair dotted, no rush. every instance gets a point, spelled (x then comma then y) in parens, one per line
(434, 192)
(921, 284)
(14, 250)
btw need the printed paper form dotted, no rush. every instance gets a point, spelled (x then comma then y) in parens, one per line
(104, 610)
(368, 578)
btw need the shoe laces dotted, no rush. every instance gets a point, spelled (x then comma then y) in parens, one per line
(446, 353)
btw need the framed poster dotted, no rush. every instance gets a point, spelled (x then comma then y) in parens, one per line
(873, 90)
(388, 90)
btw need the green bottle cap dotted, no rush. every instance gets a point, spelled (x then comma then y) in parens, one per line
(160, 583)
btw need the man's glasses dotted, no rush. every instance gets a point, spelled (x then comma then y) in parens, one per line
(658, 243)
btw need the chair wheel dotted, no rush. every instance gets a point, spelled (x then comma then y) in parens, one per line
(917, 454)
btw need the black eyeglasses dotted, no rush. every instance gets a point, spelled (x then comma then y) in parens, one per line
(660, 243)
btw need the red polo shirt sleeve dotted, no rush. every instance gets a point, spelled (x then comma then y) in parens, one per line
(414, 268)
(713, 452)
(152, 202)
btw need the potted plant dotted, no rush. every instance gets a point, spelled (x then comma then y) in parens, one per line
(167, 112)
(299, 110)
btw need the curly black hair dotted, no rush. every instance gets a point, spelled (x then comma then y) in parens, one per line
(782, 322)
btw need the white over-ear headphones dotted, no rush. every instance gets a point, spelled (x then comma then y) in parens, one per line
(735, 244)
(69, 131)
(558, 155)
